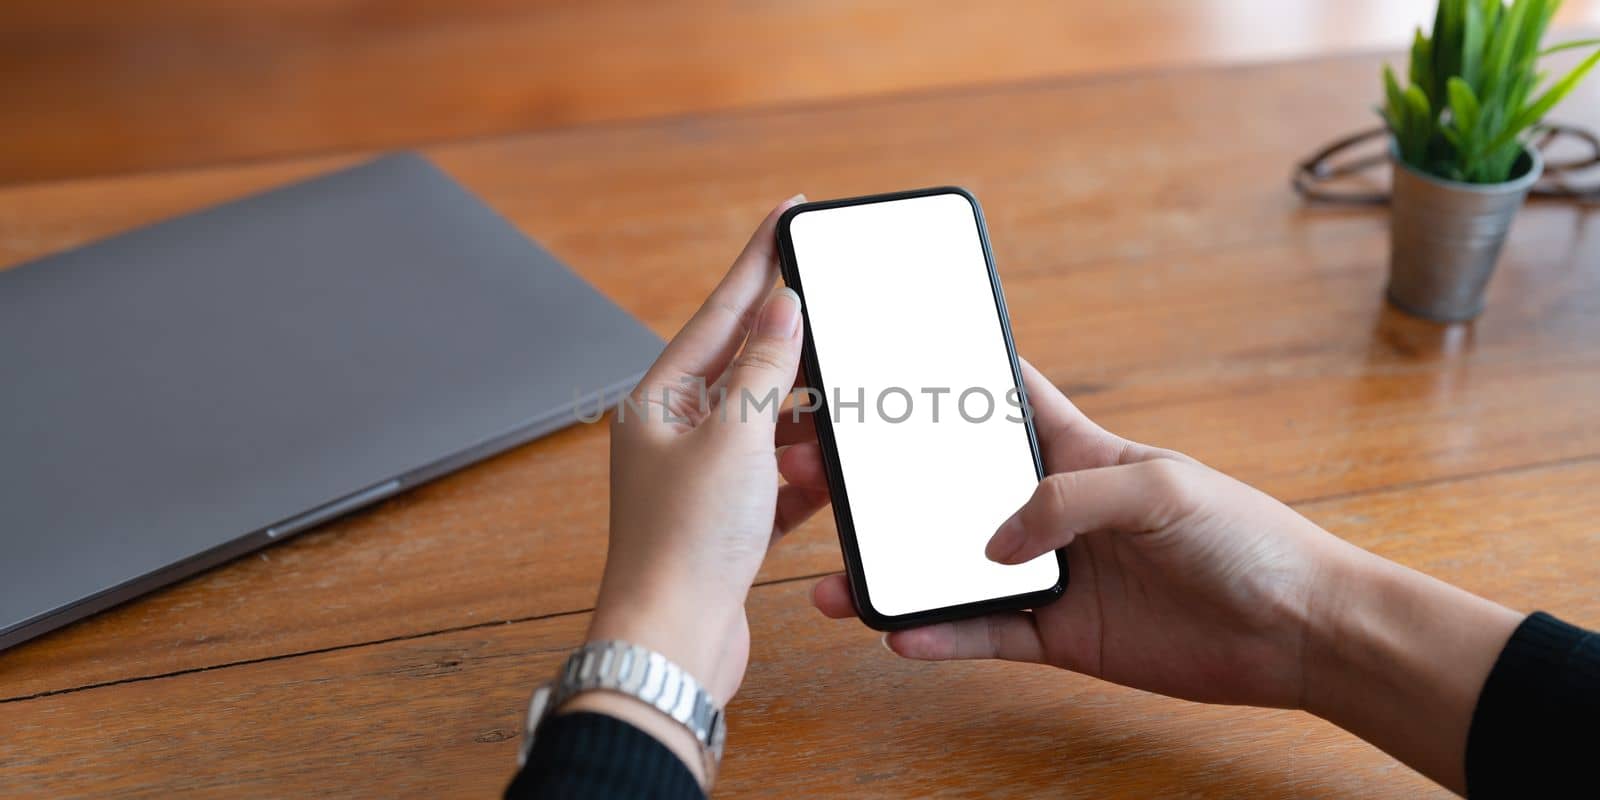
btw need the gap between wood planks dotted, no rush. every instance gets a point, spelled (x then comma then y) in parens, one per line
(1334, 497)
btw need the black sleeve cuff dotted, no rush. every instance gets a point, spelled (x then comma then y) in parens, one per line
(590, 755)
(1536, 729)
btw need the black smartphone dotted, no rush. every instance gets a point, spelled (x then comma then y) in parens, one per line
(919, 404)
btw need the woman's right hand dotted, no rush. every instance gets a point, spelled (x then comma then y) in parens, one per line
(1182, 580)
(1189, 583)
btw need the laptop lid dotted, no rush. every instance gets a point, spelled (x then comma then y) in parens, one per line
(184, 393)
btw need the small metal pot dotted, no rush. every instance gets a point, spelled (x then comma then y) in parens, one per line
(1445, 237)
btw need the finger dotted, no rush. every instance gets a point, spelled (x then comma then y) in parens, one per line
(831, 596)
(796, 504)
(764, 373)
(717, 391)
(801, 465)
(1012, 636)
(1128, 498)
(1050, 406)
(795, 428)
(1069, 439)
(709, 340)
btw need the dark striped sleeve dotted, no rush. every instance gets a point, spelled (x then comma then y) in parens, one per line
(1536, 729)
(590, 755)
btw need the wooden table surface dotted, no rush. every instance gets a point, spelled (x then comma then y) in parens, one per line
(158, 84)
(1158, 269)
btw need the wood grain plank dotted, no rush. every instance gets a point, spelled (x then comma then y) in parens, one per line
(93, 87)
(1163, 274)
(824, 711)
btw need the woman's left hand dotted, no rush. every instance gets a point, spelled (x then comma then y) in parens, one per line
(695, 493)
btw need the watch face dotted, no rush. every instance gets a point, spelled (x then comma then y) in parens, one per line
(537, 708)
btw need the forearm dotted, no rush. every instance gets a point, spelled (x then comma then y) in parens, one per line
(615, 744)
(690, 632)
(1399, 659)
(669, 733)
(597, 755)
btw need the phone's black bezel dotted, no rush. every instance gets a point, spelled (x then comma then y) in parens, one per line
(830, 454)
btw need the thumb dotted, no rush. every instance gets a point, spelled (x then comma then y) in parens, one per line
(764, 373)
(1128, 498)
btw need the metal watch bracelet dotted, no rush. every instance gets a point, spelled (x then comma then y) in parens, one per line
(636, 672)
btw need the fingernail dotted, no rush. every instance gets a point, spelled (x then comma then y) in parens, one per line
(885, 642)
(781, 316)
(1006, 541)
(794, 201)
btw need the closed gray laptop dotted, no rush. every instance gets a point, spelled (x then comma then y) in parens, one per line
(176, 396)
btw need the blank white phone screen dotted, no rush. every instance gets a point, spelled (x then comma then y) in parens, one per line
(918, 383)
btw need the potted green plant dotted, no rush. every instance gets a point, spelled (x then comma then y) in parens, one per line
(1459, 145)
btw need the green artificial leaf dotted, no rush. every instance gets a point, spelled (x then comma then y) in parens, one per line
(1474, 87)
(1442, 14)
(1396, 105)
(1530, 116)
(1421, 114)
(1573, 45)
(1526, 47)
(1406, 124)
(1472, 44)
(1493, 10)
(1547, 13)
(1419, 103)
(1463, 105)
(1422, 65)
(1443, 46)
(1526, 82)
(1498, 58)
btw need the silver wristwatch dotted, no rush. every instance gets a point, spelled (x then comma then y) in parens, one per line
(639, 673)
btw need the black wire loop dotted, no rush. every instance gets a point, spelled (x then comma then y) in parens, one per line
(1324, 166)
